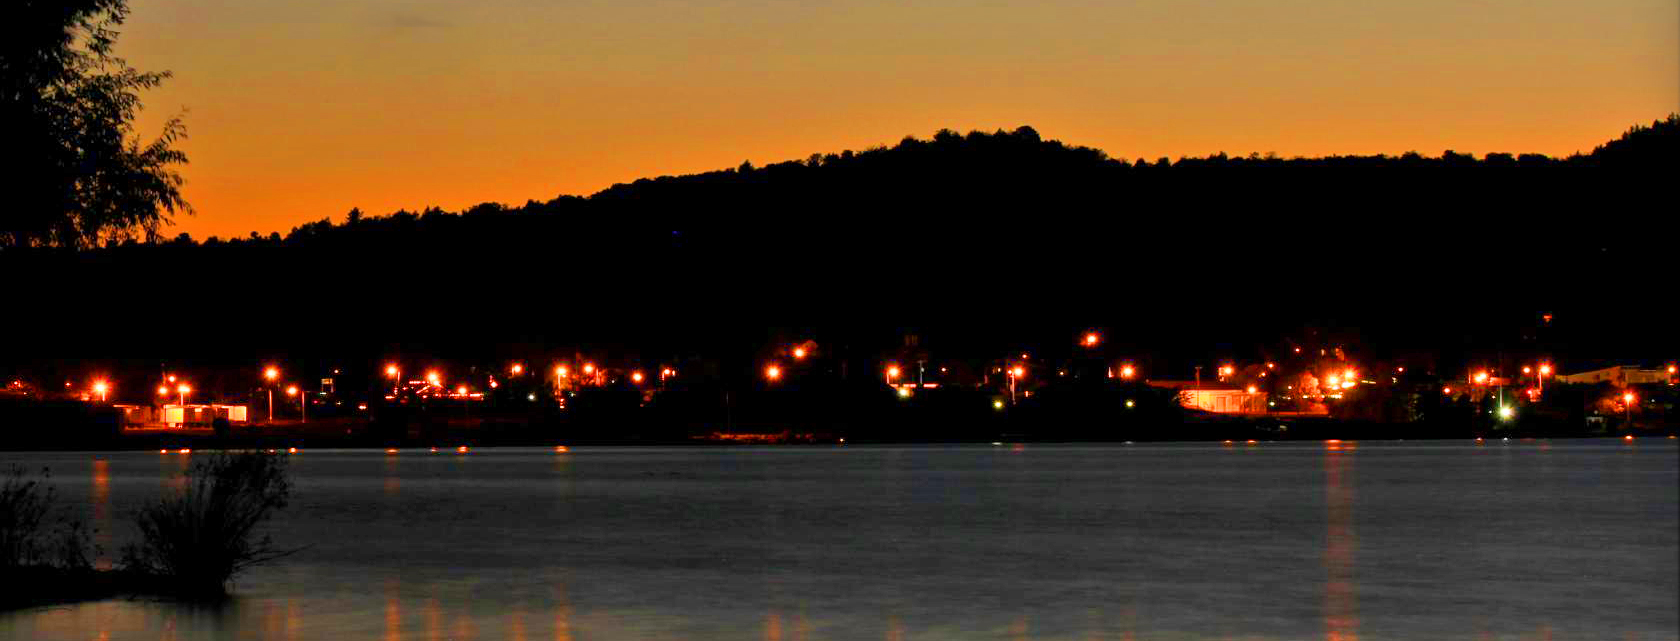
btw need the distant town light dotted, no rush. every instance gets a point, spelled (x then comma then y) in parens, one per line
(1506, 412)
(892, 372)
(433, 377)
(1528, 370)
(291, 390)
(163, 391)
(799, 352)
(997, 405)
(517, 369)
(1130, 403)
(1446, 390)
(1251, 389)
(904, 392)
(183, 388)
(561, 371)
(171, 378)
(461, 389)
(271, 373)
(1628, 397)
(1018, 371)
(589, 368)
(636, 377)
(773, 372)
(1091, 339)
(1126, 371)
(391, 371)
(1481, 377)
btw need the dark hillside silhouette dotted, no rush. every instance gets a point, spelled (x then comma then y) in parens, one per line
(977, 238)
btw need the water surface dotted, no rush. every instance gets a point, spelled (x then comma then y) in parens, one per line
(1389, 540)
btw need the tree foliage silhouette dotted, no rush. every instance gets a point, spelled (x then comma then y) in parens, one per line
(68, 104)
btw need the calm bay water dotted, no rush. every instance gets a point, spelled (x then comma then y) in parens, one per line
(1389, 540)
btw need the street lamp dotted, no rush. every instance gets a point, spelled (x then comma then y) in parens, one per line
(773, 373)
(517, 369)
(303, 404)
(1127, 371)
(99, 387)
(433, 378)
(271, 373)
(1015, 373)
(184, 389)
(1091, 339)
(892, 374)
(636, 377)
(1627, 406)
(798, 353)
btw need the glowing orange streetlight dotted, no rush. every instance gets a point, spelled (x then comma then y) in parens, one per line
(588, 368)
(773, 373)
(1091, 339)
(1015, 373)
(171, 378)
(392, 371)
(636, 377)
(1481, 377)
(1251, 389)
(461, 390)
(270, 373)
(892, 373)
(561, 371)
(1627, 405)
(1528, 370)
(798, 353)
(517, 369)
(163, 391)
(1127, 371)
(434, 378)
(303, 404)
(100, 388)
(184, 389)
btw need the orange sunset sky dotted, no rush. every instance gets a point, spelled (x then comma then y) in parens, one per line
(301, 109)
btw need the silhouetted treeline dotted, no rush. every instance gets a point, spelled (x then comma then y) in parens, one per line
(979, 242)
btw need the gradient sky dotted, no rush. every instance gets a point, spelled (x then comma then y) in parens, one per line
(301, 109)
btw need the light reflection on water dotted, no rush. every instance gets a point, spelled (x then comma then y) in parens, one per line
(1535, 540)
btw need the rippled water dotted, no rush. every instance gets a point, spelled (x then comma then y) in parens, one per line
(1391, 540)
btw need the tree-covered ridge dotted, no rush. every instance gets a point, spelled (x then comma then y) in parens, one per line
(948, 164)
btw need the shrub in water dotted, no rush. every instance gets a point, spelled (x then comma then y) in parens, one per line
(23, 507)
(198, 539)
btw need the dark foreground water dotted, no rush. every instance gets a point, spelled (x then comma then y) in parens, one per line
(1391, 540)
